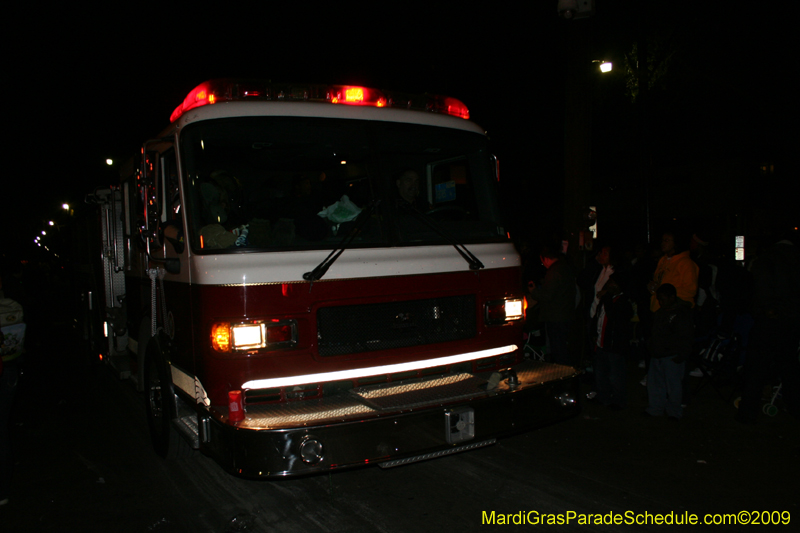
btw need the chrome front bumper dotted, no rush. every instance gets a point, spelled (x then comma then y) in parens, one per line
(393, 423)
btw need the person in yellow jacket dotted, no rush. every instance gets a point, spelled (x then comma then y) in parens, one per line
(676, 268)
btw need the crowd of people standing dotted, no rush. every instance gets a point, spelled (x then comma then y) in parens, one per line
(657, 307)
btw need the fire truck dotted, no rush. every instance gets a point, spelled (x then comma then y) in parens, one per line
(305, 278)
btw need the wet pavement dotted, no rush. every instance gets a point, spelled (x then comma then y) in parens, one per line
(83, 463)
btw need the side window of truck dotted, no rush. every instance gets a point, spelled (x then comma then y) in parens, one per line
(170, 193)
(171, 223)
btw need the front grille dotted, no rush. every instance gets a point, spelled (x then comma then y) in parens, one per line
(383, 326)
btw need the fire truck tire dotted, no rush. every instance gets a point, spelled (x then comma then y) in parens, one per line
(160, 405)
(142, 339)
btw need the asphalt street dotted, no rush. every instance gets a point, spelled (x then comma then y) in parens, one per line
(83, 463)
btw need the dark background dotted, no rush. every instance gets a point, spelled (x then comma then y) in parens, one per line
(714, 146)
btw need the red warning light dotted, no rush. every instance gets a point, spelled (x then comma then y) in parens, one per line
(205, 93)
(354, 95)
(451, 106)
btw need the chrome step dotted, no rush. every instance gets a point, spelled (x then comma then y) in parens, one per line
(187, 427)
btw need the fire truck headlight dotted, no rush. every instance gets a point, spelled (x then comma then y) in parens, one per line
(253, 336)
(248, 336)
(513, 309)
(504, 311)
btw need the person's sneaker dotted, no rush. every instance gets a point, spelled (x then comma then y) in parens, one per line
(643, 383)
(641, 364)
(696, 373)
(591, 395)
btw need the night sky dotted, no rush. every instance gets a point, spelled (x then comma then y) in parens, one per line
(85, 84)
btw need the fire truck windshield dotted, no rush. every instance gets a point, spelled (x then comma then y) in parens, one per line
(296, 183)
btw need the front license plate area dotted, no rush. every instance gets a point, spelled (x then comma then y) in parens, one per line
(459, 424)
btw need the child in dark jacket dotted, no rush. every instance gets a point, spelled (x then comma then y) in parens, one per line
(612, 332)
(670, 344)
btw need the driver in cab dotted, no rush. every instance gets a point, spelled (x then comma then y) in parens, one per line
(408, 183)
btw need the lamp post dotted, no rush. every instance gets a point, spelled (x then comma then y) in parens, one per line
(578, 142)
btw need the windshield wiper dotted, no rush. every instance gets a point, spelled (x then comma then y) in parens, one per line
(323, 267)
(469, 257)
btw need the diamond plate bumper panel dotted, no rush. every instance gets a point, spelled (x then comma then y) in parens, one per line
(421, 393)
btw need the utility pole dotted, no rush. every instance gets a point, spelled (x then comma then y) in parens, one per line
(577, 122)
(642, 96)
(577, 141)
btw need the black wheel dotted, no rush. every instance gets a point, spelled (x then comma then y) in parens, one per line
(160, 403)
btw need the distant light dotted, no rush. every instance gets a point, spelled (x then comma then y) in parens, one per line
(605, 67)
(739, 248)
(109, 162)
(44, 232)
(52, 223)
(65, 207)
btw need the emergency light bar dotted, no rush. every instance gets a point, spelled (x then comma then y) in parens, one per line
(229, 90)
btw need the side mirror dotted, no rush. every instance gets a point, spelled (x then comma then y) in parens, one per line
(173, 265)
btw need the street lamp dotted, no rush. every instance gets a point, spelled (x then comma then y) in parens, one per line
(605, 66)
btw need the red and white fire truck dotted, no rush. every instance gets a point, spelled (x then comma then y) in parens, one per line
(304, 278)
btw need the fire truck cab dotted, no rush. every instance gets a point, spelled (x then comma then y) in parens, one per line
(304, 278)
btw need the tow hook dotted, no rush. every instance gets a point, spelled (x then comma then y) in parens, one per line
(511, 378)
(508, 375)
